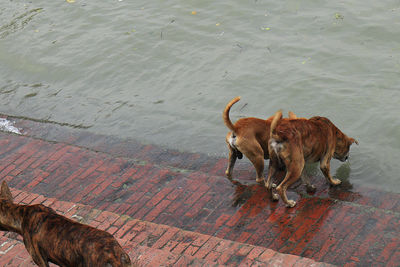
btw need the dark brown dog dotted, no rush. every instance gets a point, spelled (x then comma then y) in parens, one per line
(248, 136)
(294, 142)
(50, 237)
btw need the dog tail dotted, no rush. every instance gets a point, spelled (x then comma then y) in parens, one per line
(275, 120)
(225, 114)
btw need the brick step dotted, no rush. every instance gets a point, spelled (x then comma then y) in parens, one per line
(320, 227)
(149, 244)
(197, 162)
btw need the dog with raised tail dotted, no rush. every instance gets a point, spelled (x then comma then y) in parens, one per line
(295, 142)
(248, 136)
(50, 237)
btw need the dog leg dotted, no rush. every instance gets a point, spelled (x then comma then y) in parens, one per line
(306, 180)
(325, 168)
(294, 166)
(35, 253)
(289, 179)
(254, 152)
(258, 163)
(268, 183)
(231, 162)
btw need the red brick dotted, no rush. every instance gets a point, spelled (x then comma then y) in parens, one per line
(246, 263)
(159, 196)
(255, 253)
(283, 260)
(180, 247)
(136, 237)
(60, 152)
(30, 198)
(201, 190)
(200, 240)
(243, 237)
(304, 262)
(191, 250)
(195, 209)
(244, 250)
(20, 197)
(175, 193)
(213, 256)
(207, 248)
(157, 210)
(165, 237)
(266, 255)
(7, 170)
(228, 253)
(223, 231)
(100, 188)
(394, 259)
(329, 242)
(125, 228)
(221, 220)
(27, 152)
(393, 246)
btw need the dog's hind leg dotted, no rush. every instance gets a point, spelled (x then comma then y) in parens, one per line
(294, 166)
(268, 183)
(231, 161)
(254, 152)
(290, 178)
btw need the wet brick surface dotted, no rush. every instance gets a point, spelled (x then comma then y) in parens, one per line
(346, 225)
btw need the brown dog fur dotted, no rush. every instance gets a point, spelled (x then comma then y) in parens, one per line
(248, 136)
(294, 142)
(51, 237)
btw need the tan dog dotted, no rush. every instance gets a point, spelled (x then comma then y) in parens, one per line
(51, 237)
(297, 141)
(248, 136)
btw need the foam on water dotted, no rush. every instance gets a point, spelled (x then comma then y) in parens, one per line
(7, 126)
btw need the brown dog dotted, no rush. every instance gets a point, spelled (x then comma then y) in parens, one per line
(297, 141)
(51, 237)
(248, 136)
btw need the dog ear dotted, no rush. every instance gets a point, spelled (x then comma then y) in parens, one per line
(5, 192)
(352, 140)
(292, 115)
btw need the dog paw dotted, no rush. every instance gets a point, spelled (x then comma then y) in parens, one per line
(336, 182)
(311, 189)
(259, 180)
(275, 197)
(291, 203)
(228, 175)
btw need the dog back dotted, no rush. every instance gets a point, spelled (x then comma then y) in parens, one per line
(69, 243)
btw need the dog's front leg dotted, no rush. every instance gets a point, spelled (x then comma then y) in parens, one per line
(325, 168)
(35, 253)
(306, 180)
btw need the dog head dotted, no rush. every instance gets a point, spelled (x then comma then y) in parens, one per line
(6, 200)
(342, 146)
(5, 193)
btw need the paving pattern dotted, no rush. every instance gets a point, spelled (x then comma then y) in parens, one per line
(180, 204)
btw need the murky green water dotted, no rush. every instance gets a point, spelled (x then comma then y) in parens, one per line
(162, 71)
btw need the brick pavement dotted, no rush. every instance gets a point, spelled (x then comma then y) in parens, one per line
(347, 225)
(148, 244)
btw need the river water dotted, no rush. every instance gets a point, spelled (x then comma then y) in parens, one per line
(162, 71)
